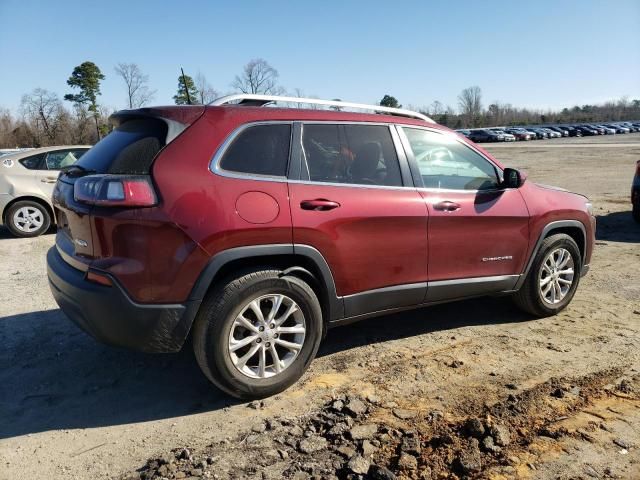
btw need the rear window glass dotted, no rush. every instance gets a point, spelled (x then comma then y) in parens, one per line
(259, 150)
(129, 149)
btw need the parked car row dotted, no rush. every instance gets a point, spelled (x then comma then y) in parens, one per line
(511, 134)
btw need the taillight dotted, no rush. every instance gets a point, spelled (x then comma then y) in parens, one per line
(115, 190)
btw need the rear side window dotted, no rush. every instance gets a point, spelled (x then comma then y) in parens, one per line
(63, 158)
(352, 154)
(34, 162)
(129, 149)
(259, 150)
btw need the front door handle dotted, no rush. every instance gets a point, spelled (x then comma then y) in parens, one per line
(318, 205)
(446, 206)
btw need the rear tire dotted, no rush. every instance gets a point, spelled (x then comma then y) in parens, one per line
(546, 290)
(223, 339)
(27, 218)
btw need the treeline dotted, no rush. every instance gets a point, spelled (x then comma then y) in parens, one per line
(45, 119)
(471, 113)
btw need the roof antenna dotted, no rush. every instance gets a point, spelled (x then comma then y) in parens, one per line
(186, 89)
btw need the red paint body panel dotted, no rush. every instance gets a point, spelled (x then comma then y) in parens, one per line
(376, 238)
(491, 224)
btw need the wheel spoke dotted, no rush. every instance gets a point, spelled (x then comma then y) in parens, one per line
(290, 311)
(277, 364)
(289, 345)
(275, 307)
(246, 323)
(568, 271)
(565, 281)
(545, 281)
(236, 344)
(242, 361)
(262, 362)
(296, 329)
(255, 308)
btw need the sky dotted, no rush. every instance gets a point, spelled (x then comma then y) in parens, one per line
(540, 54)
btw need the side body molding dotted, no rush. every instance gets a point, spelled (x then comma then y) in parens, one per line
(545, 231)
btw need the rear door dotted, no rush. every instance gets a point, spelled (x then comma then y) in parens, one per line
(54, 161)
(356, 204)
(478, 230)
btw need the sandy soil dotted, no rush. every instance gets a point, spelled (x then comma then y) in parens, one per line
(72, 408)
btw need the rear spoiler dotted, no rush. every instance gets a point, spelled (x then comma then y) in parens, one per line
(177, 118)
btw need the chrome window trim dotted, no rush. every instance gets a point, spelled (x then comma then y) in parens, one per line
(411, 158)
(214, 164)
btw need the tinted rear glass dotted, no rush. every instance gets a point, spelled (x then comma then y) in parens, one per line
(259, 150)
(35, 162)
(129, 149)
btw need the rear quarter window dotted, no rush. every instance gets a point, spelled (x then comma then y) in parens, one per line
(259, 150)
(34, 162)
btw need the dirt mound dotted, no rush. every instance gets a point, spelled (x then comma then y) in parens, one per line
(353, 437)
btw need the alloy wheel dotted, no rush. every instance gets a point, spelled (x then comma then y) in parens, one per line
(266, 336)
(556, 276)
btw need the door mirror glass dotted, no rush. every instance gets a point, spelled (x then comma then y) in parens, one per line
(512, 178)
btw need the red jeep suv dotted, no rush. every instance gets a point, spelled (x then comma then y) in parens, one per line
(255, 229)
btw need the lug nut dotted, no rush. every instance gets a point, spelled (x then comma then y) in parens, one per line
(261, 329)
(267, 344)
(258, 340)
(273, 325)
(275, 335)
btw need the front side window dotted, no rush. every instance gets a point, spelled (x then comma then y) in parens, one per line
(351, 154)
(445, 163)
(259, 150)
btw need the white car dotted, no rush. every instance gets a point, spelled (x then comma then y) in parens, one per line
(27, 179)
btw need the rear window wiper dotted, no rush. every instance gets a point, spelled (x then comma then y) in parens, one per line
(76, 171)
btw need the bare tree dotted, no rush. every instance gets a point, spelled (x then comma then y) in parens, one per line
(206, 93)
(258, 77)
(436, 108)
(137, 84)
(470, 103)
(42, 111)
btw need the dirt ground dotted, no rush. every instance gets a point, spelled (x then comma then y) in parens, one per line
(473, 389)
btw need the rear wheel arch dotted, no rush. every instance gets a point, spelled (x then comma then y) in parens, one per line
(300, 261)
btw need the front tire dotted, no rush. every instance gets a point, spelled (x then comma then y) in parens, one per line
(636, 213)
(553, 278)
(256, 335)
(27, 218)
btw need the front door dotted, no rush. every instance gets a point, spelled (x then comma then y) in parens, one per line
(353, 205)
(478, 230)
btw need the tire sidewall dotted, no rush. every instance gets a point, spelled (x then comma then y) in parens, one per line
(26, 203)
(228, 377)
(566, 242)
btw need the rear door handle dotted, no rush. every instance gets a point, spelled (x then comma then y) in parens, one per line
(446, 206)
(49, 180)
(318, 205)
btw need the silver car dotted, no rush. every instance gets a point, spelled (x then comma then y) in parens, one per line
(27, 180)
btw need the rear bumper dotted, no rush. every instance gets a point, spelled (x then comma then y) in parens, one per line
(110, 316)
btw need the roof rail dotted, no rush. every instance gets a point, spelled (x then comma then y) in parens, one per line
(261, 100)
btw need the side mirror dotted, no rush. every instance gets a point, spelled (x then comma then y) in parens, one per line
(512, 178)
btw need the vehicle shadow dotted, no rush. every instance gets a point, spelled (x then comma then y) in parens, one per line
(54, 376)
(617, 227)
(5, 234)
